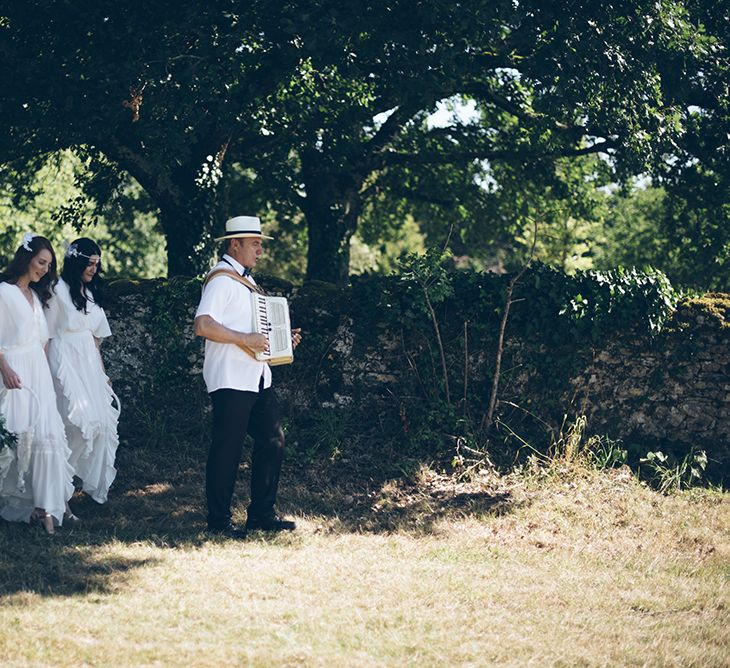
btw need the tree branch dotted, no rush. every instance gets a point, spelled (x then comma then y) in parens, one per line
(488, 418)
(393, 158)
(157, 184)
(393, 126)
(483, 91)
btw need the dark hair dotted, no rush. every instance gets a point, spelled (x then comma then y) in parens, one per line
(225, 246)
(21, 261)
(75, 265)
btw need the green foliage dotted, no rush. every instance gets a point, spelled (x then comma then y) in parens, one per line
(328, 106)
(428, 424)
(487, 211)
(670, 474)
(325, 432)
(379, 251)
(682, 232)
(169, 402)
(50, 199)
(550, 305)
(595, 304)
(7, 438)
(429, 273)
(553, 313)
(605, 452)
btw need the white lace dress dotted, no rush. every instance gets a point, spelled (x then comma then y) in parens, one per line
(84, 395)
(36, 473)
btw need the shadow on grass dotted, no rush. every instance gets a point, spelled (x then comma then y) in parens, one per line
(390, 505)
(61, 565)
(157, 501)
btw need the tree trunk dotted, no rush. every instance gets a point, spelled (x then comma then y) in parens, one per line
(332, 210)
(328, 253)
(188, 213)
(189, 226)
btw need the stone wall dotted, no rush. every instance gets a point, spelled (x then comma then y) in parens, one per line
(670, 390)
(673, 388)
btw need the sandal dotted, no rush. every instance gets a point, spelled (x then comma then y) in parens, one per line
(43, 519)
(68, 515)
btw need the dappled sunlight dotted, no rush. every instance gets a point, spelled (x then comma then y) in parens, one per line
(149, 490)
(60, 566)
(394, 505)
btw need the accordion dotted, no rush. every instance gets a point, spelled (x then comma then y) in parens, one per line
(271, 318)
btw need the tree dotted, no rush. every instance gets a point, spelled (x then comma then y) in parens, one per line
(325, 101)
(160, 89)
(489, 224)
(52, 203)
(683, 236)
(681, 221)
(550, 82)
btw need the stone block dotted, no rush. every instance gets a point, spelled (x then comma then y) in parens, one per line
(676, 417)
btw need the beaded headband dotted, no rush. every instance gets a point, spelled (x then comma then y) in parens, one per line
(72, 250)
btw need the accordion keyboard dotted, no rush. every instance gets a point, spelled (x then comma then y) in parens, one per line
(271, 318)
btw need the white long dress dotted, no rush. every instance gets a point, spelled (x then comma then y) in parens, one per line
(84, 395)
(36, 473)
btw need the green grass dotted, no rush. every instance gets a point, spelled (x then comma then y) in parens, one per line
(558, 568)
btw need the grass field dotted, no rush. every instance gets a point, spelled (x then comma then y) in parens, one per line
(562, 568)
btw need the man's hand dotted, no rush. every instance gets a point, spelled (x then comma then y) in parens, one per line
(256, 342)
(251, 344)
(296, 337)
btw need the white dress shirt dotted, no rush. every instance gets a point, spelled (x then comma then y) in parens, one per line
(229, 303)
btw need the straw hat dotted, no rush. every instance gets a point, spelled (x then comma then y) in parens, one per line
(243, 226)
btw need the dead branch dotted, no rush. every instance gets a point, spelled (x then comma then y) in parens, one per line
(489, 415)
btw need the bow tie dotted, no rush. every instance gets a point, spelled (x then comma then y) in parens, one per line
(246, 270)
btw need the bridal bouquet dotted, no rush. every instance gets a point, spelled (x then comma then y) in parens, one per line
(7, 438)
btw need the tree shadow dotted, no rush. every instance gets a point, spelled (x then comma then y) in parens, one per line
(384, 504)
(147, 504)
(158, 500)
(59, 565)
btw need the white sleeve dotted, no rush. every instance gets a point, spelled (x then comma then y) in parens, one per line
(217, 297)
(43, 327)
(53, 315)
(5, 322)
(102, 328)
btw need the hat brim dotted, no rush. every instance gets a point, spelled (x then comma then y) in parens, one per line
(243, 235)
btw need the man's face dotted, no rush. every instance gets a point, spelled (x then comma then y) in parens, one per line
(247, 251)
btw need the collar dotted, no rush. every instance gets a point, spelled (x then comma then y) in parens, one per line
(240, 269)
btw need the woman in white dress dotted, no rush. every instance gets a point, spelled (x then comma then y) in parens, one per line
(35, 475)
(77, 324)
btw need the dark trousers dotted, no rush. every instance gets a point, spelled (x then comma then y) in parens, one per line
(236, 413)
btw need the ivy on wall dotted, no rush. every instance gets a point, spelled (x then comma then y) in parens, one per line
(369, 375)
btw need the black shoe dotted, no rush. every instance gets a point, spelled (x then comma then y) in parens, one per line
(270, 523)
(229, 531)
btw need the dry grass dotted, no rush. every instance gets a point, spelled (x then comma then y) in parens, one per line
(567, 568)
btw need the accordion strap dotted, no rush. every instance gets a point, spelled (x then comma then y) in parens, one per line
(236, 277)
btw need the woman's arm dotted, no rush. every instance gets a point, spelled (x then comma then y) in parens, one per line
(11, 380)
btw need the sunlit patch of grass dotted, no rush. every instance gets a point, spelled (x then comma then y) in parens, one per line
(559, 567)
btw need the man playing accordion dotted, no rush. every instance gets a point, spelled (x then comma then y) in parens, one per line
(239, 386)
